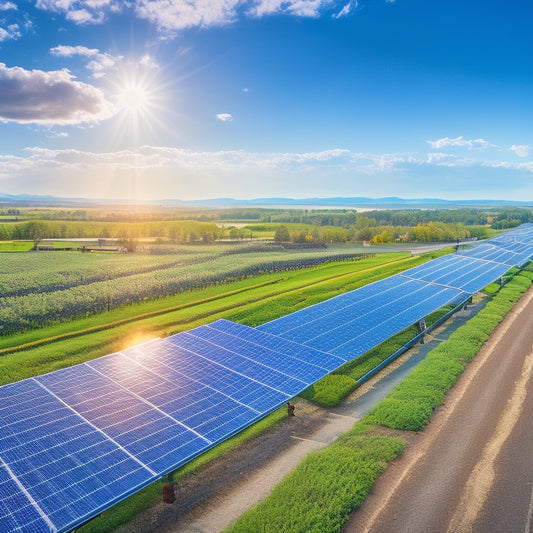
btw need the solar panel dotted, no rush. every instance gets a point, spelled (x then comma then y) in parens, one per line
(78, 440)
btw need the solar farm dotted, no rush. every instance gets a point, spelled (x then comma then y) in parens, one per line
(76, 441)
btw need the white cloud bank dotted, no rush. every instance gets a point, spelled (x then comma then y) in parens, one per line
(155, 172)
(36, 96)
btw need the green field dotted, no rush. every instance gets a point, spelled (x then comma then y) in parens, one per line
(15, 246)
(251, 301)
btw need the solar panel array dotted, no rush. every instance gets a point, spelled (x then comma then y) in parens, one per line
(78, 440)
(352, 323)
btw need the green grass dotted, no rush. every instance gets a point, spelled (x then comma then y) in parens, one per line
(15, 246)
(319, 495)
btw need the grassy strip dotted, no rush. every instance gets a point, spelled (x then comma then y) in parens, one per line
(410, 405)
(16, 246)
(149, 496)
(326, 487)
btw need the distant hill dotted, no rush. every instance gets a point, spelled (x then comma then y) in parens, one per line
(392, 202)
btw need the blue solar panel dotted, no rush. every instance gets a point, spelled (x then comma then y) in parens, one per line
(76, 441)
(65, 466)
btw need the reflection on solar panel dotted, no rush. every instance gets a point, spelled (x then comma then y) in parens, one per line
(76, 441)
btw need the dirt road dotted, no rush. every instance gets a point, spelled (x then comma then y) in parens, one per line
(471, 470)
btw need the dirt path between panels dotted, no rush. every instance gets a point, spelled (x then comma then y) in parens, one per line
(214, 497)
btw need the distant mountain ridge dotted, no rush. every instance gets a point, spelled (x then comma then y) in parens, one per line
(391, 202)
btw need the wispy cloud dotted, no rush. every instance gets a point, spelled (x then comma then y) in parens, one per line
(97, 62)
(82, 11)
(6, 6)
(170, 16)
(166, 172)
(346, 10)
(36, 96)
(471, 144)
(224, 117)
(521, 150)
(10, 32)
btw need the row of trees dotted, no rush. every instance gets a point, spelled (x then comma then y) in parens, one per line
(431, 232)
(177, 231)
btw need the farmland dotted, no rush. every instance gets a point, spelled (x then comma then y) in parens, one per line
(251, 300)
(39, 289)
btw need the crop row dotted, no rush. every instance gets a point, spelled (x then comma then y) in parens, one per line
(39, 309)
(38, 272)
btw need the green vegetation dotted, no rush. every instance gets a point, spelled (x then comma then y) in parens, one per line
(42, 288)
(410, 405)
(326, 487)
(15, 246)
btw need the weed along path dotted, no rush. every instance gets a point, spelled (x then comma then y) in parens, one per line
(216, 495)
(471, 469)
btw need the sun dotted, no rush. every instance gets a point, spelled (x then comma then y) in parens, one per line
(134, 98)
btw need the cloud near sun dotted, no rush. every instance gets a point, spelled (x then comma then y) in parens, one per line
(53, 97)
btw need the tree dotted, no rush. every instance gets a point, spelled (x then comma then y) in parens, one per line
(282, 234)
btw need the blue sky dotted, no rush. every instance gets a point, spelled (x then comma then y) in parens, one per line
(152, 99)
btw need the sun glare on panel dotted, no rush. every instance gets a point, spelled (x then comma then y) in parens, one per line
(139, 337)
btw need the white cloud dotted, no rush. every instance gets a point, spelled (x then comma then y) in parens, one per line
(5, 6)
(52, 97)
(301, 8)
(225, 117)
(100, 63)
(148, 62)
(11, 32)
(82, 11)
(480, 144)
(172, 15)
(521, 150)
(346, 10)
